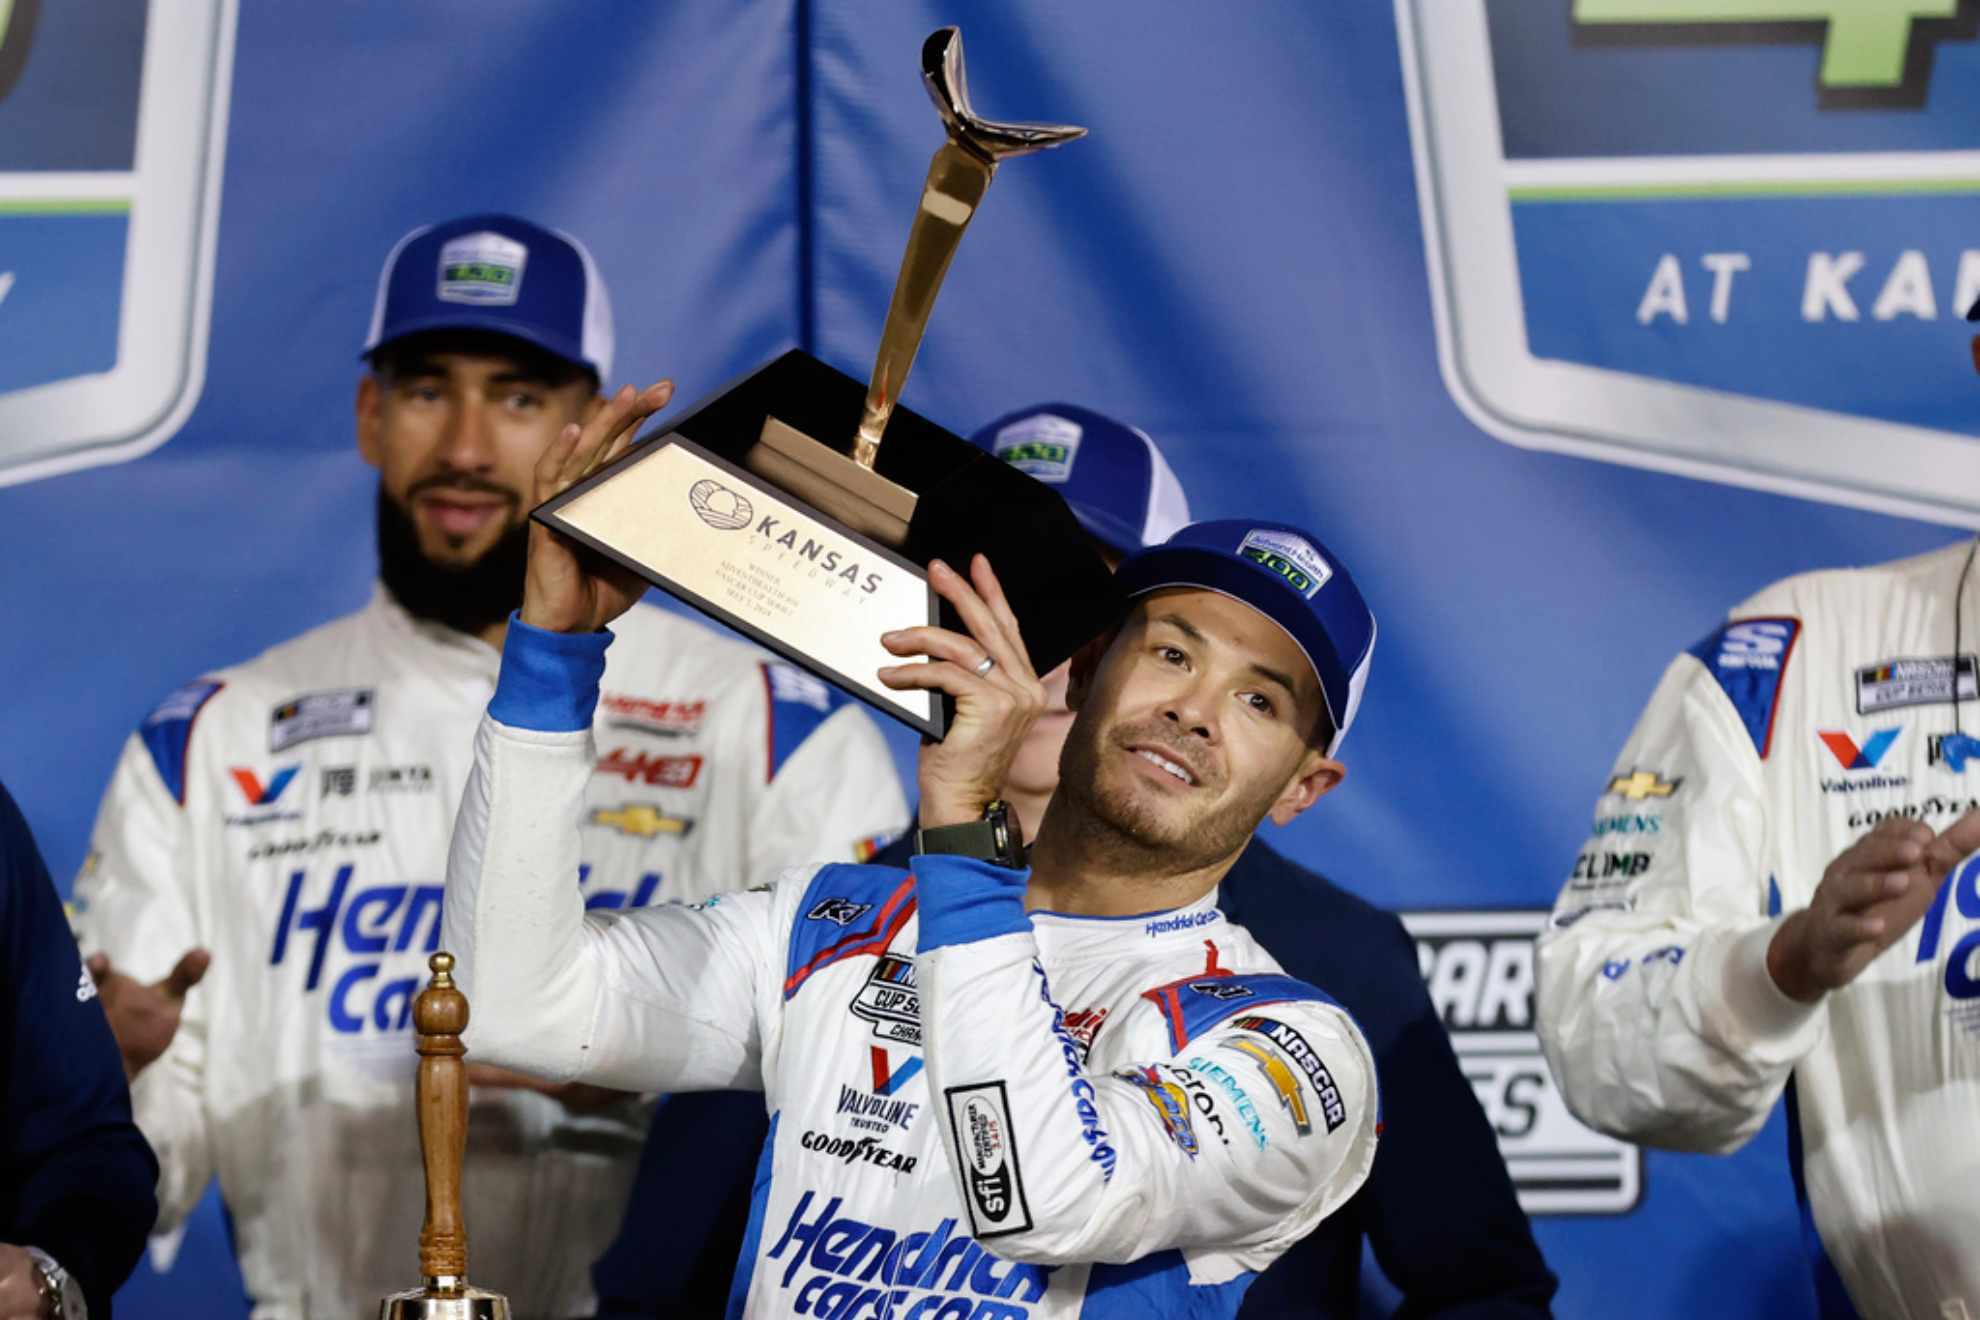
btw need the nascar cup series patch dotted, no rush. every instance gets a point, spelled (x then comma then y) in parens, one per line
(113, 123)
(1728, 238)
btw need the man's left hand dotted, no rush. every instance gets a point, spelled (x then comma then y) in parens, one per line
(995, 705)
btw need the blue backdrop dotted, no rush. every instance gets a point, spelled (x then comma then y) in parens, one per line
(1249, 256)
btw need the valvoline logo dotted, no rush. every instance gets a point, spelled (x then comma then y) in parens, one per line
(1851, 757)
(259, 794)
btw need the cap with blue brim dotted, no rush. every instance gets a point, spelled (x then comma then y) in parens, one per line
(1289, 577)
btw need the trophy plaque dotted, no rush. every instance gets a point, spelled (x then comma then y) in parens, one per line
(440, 1015)
(774, 506)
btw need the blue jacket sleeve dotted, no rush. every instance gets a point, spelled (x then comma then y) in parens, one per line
(1438, 1208)
(76, 1178)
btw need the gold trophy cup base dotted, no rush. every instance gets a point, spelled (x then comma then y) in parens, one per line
(833, 484)
(464, 1303)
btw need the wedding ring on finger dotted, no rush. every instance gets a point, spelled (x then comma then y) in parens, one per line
(985, 665)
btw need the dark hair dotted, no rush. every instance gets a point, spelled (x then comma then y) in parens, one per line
(403, 356)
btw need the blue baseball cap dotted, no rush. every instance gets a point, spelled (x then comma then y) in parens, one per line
(501, 274)
(1287, 576)
(1119, 486)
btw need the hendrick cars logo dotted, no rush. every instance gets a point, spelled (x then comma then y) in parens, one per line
(112, 134)
(1689, 235)
(1479, 969)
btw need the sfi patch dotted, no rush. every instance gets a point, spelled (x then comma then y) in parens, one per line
(986, 1152)
(1749, 657)
(346, 712)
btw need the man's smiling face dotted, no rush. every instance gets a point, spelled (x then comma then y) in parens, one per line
(1200, 718)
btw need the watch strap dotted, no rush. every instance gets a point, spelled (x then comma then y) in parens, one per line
(995, 838)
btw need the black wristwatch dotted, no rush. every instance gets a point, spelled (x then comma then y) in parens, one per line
(998, 838)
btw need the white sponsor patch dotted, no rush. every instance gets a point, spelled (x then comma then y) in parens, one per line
(343, 713)
(1042, 446)
(1924, 681)
(484, 268)
(987, 1154)
(1291, 557)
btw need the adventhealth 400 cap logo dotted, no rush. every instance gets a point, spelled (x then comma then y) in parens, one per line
(112, 131)
(1729, 238)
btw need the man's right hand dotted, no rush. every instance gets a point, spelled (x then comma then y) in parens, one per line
(1870, 896)
(566, 588)
(144, 1018)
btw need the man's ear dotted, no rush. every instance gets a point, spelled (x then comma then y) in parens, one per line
(370, 419)
(1318, 776)
(1085, 663)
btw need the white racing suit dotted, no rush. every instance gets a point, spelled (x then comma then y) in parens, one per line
(1818, 710)
(292, 815)
(945, 1141)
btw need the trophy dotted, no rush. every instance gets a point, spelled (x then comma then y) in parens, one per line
(774, 506)
(440, 1014)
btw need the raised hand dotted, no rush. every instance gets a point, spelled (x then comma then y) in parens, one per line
(20, 1285)
(144, 1018)
(567, 588)
(1871, 894)
(995, 703)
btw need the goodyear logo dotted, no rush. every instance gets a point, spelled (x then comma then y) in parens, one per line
(1691, 234)
(1479, 969)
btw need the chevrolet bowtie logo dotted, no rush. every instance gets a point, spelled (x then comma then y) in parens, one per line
(1281, 1077)
(639, 819)
(1643, 784)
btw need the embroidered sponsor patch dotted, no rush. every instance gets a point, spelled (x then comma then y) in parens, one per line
(1291, 557)
(1171, 1106)
(986, 1152)
(1920, 681)
(890, 1000)
(838, 911)
(1041, 446)
(1293, 1046)
(346, 712)
(485, 268)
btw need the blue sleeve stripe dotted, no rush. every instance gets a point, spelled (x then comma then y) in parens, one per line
(1749, 657)
(846, 911)
(965, 899)
(549, 680)
(795, 704)
(167, 732)
(1195, 1004)
(759, 1199)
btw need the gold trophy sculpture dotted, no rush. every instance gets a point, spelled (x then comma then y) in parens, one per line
(441, 1014)
(847, 487)
(772, 505)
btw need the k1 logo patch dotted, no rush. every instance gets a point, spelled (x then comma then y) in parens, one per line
(113, 126)
(1727, 238)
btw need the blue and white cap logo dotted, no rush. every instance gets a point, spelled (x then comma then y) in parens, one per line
(1042, 445)
(1291, 557)
(484, 268)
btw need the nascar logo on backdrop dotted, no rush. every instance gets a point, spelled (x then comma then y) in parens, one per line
(1479, 969)
(1727, 238)
(112, 126)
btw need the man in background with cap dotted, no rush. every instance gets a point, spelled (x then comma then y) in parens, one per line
(1764, 906)
(949, 1134)
(1452, 1245)
(265, 878)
